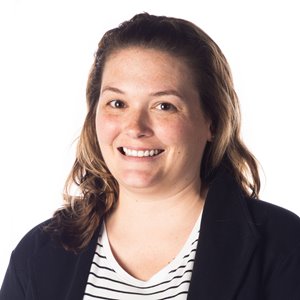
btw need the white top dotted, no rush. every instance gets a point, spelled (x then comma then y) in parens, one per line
(108, 280)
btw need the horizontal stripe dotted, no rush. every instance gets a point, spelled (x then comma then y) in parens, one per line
(102, 267)
(182, 266)
(141, 287)
(99, 297)
(99, 255)
(135, 293)
(194, 250)
(173, 296)
(195, 241)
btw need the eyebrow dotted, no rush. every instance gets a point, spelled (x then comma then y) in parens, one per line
(169, 92)
(112, 89)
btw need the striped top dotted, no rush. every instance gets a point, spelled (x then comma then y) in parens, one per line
(108, 280)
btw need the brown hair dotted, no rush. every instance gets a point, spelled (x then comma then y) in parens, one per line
(78, 220)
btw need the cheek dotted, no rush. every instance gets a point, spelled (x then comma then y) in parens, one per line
(177, 128)
(165, 130)
(107, 128)
(174, 132)
(187, 135)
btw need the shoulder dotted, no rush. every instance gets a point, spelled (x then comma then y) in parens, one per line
(279, 228)
(32, 243)
(18, 277)
(267, 213)
(279, 248)
(36, 237)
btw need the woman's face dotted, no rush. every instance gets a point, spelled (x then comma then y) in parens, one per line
(149, 122)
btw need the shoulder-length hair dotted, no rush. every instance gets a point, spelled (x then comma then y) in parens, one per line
(76, 222)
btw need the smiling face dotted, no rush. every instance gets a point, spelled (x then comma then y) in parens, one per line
(150, 126)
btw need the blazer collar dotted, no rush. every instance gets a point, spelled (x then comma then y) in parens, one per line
(226, 242)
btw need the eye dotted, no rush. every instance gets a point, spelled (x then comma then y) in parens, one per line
(166, 106)
(116, 104)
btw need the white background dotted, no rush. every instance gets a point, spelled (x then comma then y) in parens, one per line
(46, 49)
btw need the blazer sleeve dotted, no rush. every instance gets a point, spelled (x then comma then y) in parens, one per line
(17, 283)
(285, 282)
(14, 284)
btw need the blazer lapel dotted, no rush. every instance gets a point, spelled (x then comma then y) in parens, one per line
(226, 242)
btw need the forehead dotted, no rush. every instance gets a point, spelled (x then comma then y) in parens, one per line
(146, 64)
(130, 51)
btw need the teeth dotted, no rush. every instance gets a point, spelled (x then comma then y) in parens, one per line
(140, 153)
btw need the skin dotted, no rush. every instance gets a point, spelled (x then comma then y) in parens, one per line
(148, 103)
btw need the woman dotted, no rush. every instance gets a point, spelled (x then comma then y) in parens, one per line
(159, 154)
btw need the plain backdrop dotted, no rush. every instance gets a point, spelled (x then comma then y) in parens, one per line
(46, 50)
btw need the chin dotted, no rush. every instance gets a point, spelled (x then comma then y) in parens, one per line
(138, 178)
(138, 184)
(138, 181)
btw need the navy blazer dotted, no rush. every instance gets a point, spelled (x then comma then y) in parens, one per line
(247, 250)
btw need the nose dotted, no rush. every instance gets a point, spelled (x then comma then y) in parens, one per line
(138, 124)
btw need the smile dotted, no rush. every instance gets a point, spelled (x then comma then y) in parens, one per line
(140, 153)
